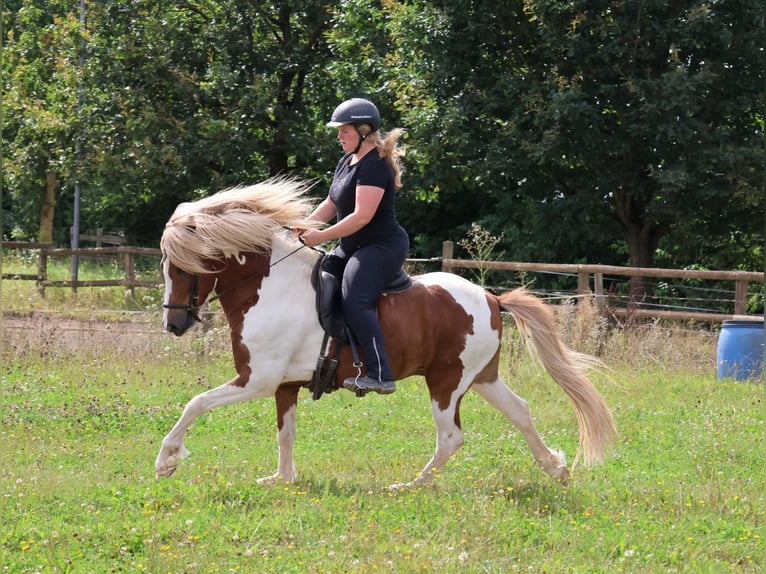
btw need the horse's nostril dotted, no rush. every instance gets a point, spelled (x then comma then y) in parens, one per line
(175, 329)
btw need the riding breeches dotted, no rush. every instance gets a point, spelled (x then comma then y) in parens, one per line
(365, 274)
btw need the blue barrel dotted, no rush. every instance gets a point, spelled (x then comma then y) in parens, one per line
(740, 349)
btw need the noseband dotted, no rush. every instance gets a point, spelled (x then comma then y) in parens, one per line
(192, 307)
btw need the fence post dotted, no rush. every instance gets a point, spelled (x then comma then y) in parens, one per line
(583, 283)
(130, 272)
(740, 297)
(42, 271)
(598, 290)
(448, 251)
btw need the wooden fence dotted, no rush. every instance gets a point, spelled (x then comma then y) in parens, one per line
(45, 251)
(590, 278)
(741, 280)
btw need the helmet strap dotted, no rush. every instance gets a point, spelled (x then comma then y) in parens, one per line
(362, 137)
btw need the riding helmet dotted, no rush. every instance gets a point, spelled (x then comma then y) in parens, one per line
(356, 111)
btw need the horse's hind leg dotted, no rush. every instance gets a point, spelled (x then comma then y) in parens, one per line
(449, 438)
(517, 410)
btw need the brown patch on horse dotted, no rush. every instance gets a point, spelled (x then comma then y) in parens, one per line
(236, 303)
(286, 397)
(449, 329)
(425, 332)
(490, 372)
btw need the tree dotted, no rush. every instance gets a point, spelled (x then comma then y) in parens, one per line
(179, 100)
(656, 106)
(640, 116)
(192, 97)
(40, 69)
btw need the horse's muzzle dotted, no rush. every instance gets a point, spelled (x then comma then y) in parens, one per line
(178, 319)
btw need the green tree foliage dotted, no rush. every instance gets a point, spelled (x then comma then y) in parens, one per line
(657, 107)
(179, 100)
(579, 130)
(584, 125)
(40, 72)
(198, 96)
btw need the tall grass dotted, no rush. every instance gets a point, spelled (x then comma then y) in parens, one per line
(83, 412)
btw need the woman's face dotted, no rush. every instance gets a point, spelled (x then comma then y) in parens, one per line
(348, 137)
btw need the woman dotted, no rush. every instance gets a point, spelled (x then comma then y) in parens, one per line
(373, 246)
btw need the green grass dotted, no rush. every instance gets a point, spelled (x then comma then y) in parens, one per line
(682, 492)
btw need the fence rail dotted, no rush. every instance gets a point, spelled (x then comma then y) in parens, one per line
(741, 280)
(584, 273)
(45, 251)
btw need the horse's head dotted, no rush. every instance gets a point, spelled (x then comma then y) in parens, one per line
(205, 243)
(184, 294)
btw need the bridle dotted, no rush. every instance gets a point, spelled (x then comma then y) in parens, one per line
(193, 306)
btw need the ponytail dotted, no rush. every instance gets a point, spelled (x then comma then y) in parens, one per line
(392, 153)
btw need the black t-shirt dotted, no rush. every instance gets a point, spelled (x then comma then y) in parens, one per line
(371, 170)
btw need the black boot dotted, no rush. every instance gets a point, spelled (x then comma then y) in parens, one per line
(363, 385)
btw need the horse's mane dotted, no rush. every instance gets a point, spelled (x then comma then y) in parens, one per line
(235, 220)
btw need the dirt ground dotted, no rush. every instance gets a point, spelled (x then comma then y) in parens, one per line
(137, 333)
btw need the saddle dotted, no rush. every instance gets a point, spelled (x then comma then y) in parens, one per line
(330, 313)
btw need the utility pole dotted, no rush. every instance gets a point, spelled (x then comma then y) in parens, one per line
(78, 149)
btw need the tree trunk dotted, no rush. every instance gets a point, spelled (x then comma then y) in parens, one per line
(643, 233)
(48, 208)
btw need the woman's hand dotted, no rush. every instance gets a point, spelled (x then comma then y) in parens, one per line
(312, 237)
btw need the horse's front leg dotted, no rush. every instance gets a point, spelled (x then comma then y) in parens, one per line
(287, 406)
(172, 449)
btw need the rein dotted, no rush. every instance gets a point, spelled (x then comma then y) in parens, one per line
(192, 307)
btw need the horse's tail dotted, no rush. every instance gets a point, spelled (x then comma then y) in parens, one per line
(536, 323)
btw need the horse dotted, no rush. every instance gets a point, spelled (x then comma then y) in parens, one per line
(237, 244)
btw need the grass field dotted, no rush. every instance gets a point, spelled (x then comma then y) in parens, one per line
(683, 490)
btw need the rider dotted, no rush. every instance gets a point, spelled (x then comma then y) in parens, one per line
(373, 246)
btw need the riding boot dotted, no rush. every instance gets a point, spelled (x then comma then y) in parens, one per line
(378, 378)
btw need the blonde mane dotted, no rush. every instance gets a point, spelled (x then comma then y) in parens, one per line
(233, 221)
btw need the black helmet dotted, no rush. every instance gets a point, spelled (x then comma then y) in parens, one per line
(356, 111)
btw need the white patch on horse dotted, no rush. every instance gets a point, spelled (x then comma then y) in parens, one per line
(168, 291)
(283, 340)
(482, 344)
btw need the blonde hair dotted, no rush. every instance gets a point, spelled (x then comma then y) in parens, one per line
(388, 149)
(234, 221)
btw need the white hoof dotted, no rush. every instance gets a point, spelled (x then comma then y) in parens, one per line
(273, 480)
(558, 469)
(402, 486)
(167, 468)
(167, 460)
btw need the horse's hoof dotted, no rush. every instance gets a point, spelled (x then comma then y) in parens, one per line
(273, 479)
(167, 469)
(562, 477)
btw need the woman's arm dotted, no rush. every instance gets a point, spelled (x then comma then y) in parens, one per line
(367, 201)
(324, 212)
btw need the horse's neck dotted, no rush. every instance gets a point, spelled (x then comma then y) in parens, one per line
(291, 253)
(291, 266)
(287, 289)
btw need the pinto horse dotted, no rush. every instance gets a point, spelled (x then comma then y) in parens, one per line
(236, 244)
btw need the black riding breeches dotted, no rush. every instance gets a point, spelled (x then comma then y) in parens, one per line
(366, 272)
